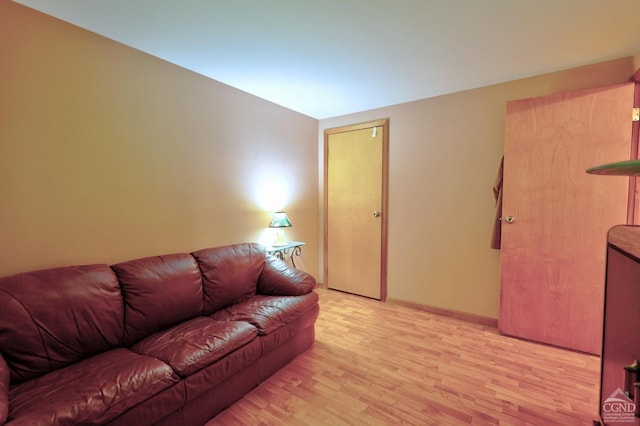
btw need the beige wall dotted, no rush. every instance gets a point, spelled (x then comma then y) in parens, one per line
(443, 159)
(108, 154)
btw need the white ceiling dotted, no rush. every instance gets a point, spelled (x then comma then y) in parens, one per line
(325, 58)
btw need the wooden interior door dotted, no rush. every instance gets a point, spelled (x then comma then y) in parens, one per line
(553, 249)
(355, 209)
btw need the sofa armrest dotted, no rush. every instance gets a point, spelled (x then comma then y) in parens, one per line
(5, 378)
(279, 279)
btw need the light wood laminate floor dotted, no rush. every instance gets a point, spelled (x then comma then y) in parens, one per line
(380, 364)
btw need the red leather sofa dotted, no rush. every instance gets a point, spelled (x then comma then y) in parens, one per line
(171, 339)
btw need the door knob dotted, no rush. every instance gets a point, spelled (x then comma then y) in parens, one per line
(376, 213)
(509, 219)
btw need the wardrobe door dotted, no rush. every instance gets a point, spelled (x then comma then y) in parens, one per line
(556, 216)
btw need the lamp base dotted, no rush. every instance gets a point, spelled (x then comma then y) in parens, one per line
(281, 240)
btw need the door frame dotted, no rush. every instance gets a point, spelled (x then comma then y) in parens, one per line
(384, 124)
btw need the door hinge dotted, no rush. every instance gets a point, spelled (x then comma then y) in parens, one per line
(635, 114)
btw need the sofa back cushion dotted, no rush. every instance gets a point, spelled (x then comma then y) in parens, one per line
(229, 274)
(158, 292)
(54, 317)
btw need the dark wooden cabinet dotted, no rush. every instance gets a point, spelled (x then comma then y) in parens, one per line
(621, 331)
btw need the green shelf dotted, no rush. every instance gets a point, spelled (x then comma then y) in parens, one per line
(621, 168)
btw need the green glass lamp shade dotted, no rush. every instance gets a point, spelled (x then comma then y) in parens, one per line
(280, 220)
(621, 168)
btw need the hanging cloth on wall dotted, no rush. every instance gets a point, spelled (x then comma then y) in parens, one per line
(497, 195)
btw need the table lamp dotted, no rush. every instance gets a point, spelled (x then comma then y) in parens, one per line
(280, 220)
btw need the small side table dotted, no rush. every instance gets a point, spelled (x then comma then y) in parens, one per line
(289, 250)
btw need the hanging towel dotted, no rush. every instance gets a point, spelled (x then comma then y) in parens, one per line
(497, 195)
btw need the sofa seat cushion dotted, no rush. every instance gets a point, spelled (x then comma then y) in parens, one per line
(92, 391)
(268, 313)
(278, 337)
(197, 343)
